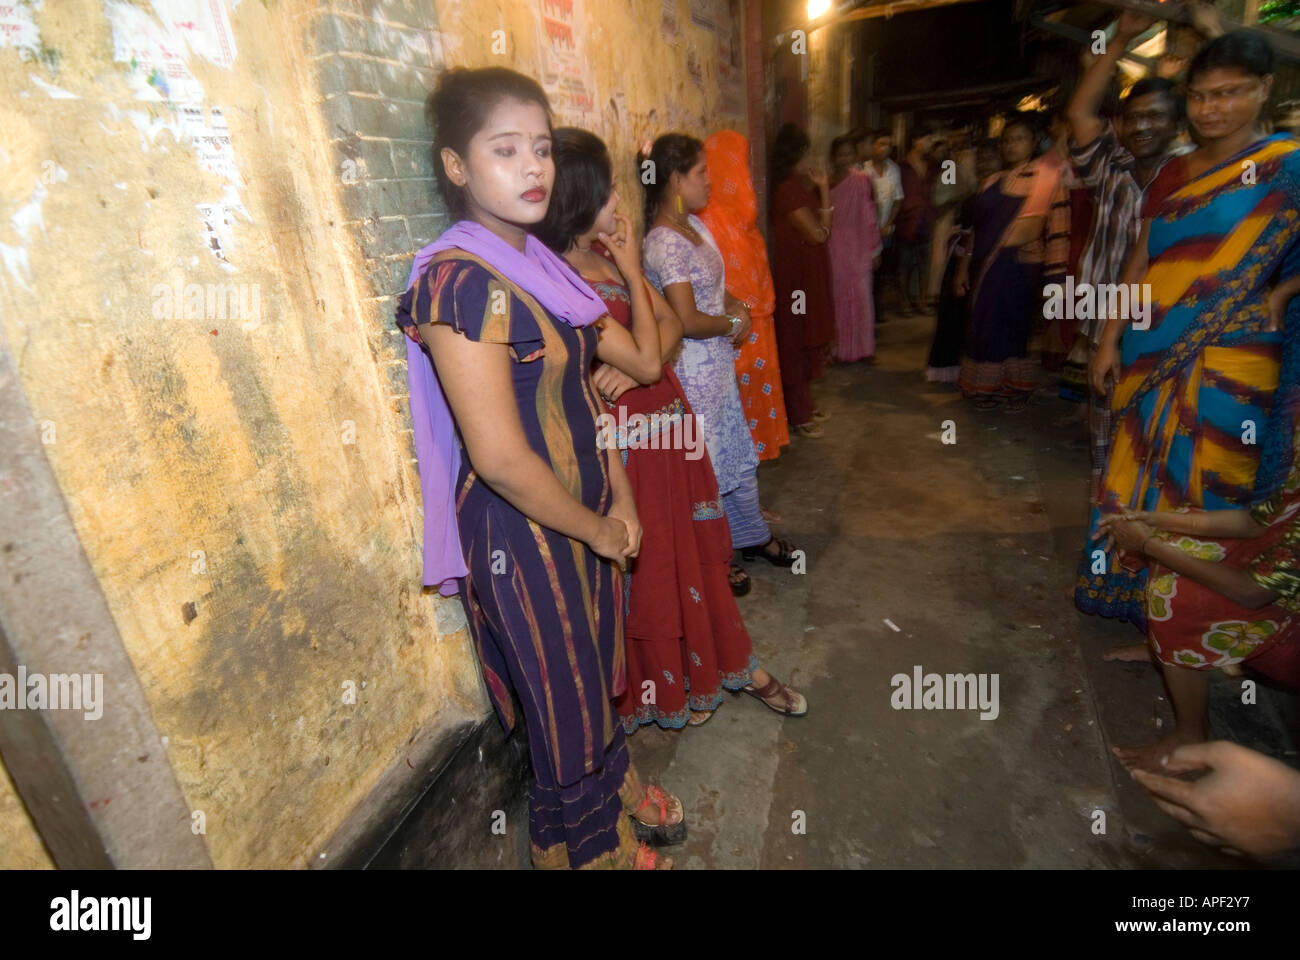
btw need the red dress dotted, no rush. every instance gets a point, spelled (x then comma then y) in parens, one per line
(803, 268)
(685, 638)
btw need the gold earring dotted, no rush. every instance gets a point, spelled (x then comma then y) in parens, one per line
(679, 204)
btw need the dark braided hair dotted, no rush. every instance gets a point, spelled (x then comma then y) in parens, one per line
(671, 153)
(460, 105)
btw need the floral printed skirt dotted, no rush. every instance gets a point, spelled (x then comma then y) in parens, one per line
(1191, 625)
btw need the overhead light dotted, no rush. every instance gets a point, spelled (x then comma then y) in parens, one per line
(817, 7)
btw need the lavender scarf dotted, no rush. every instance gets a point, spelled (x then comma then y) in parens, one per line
(548, 279)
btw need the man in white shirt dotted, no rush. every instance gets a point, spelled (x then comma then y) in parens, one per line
(885, 179)
(887, 183)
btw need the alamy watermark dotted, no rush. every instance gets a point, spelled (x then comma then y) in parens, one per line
(1092, 301)
(75, 913)
(208, 301)
(56, 691)
(655, 431)
(946, 691)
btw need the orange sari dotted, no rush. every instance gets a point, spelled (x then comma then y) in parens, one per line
(732, 217)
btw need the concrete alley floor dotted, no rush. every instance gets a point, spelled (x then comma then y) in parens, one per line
(968, 549)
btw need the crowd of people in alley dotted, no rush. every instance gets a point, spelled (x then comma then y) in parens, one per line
(592, 397)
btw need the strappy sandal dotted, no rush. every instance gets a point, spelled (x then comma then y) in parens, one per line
(699, 718)
(648, 859)
(774, 689)
(783, 558)
(739, 584)
(662, 832)
(812, 430)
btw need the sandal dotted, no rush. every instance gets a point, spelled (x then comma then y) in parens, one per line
(784, 557)
(647, 859)
(986, 403)
(811, 430)
(699, 718)
(739, 580)
(820, 417)
(661, 832)
(790, 698)
(1016, 404)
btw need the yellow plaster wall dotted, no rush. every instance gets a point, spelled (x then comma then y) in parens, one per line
(243, 487)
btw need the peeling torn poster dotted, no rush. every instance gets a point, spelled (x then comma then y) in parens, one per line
(156, 50)
(565, 74)
(18, 27)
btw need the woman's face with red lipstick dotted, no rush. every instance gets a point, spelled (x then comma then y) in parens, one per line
(507, 170)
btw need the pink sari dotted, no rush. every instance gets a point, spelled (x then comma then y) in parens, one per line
(855, 240)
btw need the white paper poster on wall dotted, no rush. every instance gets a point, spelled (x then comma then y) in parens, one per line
(155, 50)
(564, 72)
(18, 27)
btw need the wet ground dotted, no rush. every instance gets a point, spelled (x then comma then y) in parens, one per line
(967, 549)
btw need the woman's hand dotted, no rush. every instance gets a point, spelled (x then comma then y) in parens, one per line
(624, 509)
(1246, 802)
(741, 309)
(612, 539)
(1278, 300)
(1104, 363)
(624, 248)
(1125, 531)
(611, 383)
(819, 178)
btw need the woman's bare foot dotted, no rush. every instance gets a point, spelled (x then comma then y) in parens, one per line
(1153, 757)
(771, 516)
(699, 718)
(1129, 653)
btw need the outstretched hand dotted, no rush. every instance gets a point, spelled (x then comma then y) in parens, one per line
(1245, 803)
(1131, 23)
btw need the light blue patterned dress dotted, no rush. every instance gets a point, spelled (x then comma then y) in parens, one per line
(706, 368)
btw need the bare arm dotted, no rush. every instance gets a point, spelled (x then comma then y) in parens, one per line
(1134, 271)
(636, 353)
(476, 380)
(670, 325)
(1104, 363)
(1216, 524)
(696, 325)
(1083, 112)
(1235, 584)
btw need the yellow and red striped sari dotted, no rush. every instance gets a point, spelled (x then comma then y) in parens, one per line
(1205, 405)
